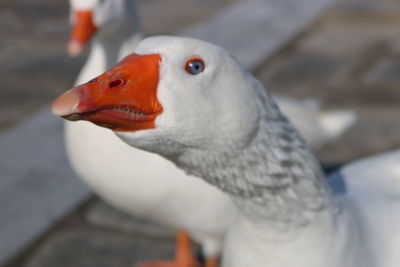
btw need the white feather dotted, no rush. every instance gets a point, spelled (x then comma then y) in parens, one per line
(140, 182)
(288, 214)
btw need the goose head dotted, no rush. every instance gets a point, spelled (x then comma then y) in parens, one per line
(90, 16)
(172, 94)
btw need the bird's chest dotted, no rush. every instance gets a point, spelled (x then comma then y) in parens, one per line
(110, 166)
(263, 245)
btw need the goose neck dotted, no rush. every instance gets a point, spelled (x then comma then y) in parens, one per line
(273, 177)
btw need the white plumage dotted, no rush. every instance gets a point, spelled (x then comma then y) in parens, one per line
(144, 183)
(288, 214)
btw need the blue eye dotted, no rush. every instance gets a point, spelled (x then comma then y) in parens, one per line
(194, 66)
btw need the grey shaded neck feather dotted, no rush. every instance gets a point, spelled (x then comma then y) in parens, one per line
(274, 176)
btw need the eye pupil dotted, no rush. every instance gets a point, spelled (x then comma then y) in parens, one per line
(194, 66)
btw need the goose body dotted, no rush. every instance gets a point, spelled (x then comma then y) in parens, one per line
(195, 106)
(144, 183)
(363, 231)
(158, 190)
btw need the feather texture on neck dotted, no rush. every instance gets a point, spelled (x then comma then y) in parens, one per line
(272, 176)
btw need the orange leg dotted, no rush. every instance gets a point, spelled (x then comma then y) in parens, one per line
(211, 262)
(183, 255)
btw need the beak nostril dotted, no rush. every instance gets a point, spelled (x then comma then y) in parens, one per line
(115, 83)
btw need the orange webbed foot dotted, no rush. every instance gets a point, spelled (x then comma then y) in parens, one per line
(183, 255)
(168, 264)
(211, 262)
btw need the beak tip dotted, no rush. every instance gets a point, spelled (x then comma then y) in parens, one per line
(66, 104)
(57, 110)
(74, 48)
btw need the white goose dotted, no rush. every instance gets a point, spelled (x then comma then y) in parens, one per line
(152, 187)
(157, 189)
(192, 103)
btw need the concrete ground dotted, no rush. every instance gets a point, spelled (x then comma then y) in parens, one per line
(348, 58)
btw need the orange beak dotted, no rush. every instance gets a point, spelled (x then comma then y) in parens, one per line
(82, 31)
(122, 99)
